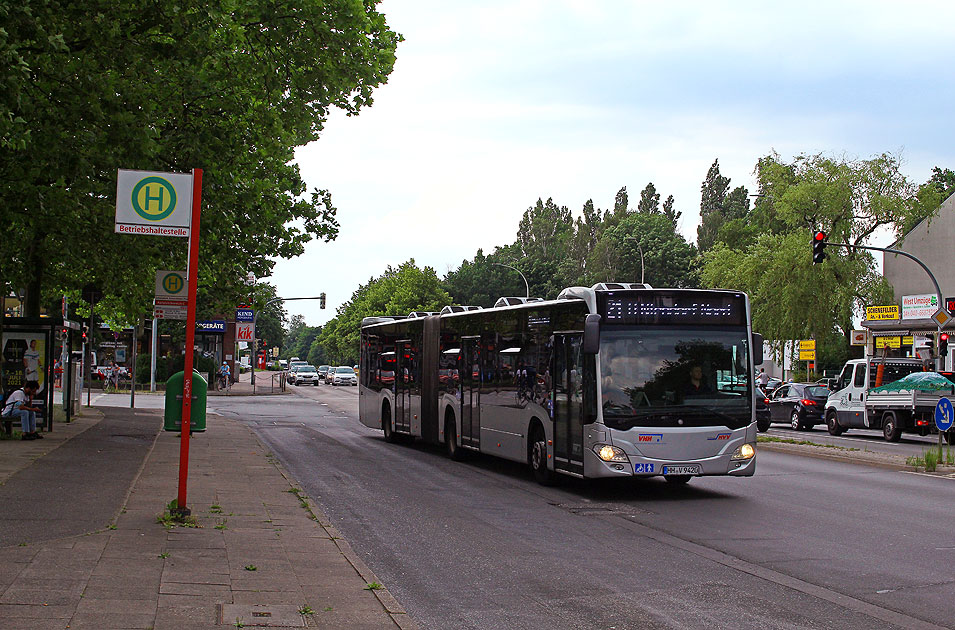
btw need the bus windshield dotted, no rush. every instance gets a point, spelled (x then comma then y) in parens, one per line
(675, 376)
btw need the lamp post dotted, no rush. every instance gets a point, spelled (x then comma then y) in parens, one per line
(631, 238)
(527, 289)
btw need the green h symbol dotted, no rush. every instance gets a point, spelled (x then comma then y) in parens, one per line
(148, 197)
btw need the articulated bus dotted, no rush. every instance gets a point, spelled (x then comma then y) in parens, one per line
(616, 380)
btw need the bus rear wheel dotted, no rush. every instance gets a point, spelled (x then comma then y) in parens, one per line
(451, 447)
(538, 457)
(390, 435)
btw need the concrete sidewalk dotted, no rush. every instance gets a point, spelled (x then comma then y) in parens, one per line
(262, 555)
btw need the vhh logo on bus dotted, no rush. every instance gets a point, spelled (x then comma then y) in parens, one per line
(650, 437)
(244, 332)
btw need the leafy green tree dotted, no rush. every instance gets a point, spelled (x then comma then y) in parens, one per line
(668, 260)
(649, 200)
(480, 282)
(713, 192)
(850, 200)
(621, 203)
(93, 86)
(671, 213)
(397, 292)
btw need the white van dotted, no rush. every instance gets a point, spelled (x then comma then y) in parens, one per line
(846, 408)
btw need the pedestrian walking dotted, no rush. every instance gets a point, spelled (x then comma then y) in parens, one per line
(763, 378)
(20, 405)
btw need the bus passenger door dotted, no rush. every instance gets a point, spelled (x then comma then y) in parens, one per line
(470, 374)
(403, 387)
(568, 404)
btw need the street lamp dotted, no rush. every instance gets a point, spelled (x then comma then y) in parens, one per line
(631, 238)
(527, 289)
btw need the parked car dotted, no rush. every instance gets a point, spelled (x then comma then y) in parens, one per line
(323, 371)
(304, 375)
(801, 405)
(344, 375)
(763, 415)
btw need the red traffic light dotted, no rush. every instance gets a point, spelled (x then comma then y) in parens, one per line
(943, 337)
(819, 236)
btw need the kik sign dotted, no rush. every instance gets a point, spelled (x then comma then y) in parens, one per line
(244, 331)
(153, 203)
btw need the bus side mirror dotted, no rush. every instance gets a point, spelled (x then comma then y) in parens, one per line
(591, 334)
(757, 349)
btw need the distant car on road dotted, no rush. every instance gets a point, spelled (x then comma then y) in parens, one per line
(344, 375)
(323, 372)
(801, 405)
(304, 375)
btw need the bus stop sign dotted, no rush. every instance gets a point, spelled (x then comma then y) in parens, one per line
(944, 414)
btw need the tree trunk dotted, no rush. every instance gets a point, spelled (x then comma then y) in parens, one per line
(34, 266)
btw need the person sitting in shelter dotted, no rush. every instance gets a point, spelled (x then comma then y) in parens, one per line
(20, 405)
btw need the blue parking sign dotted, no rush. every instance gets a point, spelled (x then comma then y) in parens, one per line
(944, 414)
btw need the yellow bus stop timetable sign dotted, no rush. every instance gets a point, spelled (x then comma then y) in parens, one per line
(153, 203)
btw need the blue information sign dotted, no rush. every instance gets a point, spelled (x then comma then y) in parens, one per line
(244, 315)
(944, 414)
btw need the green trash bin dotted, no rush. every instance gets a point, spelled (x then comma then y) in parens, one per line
(172, 417)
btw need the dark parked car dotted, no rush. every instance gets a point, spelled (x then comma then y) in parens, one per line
(763, 415)
(801, 405)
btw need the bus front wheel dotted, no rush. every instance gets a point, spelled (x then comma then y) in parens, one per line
(538, 457)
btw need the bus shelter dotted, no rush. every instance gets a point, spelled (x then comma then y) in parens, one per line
(29, 354)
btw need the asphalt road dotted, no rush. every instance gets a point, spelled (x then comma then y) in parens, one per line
(806, 543)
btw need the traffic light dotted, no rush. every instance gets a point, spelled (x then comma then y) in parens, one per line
(85, 328)
(321, 300)
(943, 345)
(930, 340)
(818, 247)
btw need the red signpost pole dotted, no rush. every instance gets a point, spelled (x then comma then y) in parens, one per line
(193, 273)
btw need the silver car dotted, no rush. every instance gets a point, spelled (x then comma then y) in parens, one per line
(304, 375)
(344, 375)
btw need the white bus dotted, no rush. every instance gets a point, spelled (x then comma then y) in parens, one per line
(616, 380)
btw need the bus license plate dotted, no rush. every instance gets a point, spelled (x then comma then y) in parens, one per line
(685, 469)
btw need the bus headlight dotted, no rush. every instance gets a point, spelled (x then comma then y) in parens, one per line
(610, 453)
(746, 451)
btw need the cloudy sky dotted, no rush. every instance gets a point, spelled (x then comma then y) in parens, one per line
(495, 103)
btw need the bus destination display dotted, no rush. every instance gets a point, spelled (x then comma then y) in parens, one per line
(726, 310)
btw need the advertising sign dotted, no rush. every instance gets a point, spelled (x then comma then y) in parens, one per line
(172, 284)
(888, 342)
(159, 204)
(211, 326)
(245, 331)
(858, 337)
(877, 313)
(243, 314)
(919, 306)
